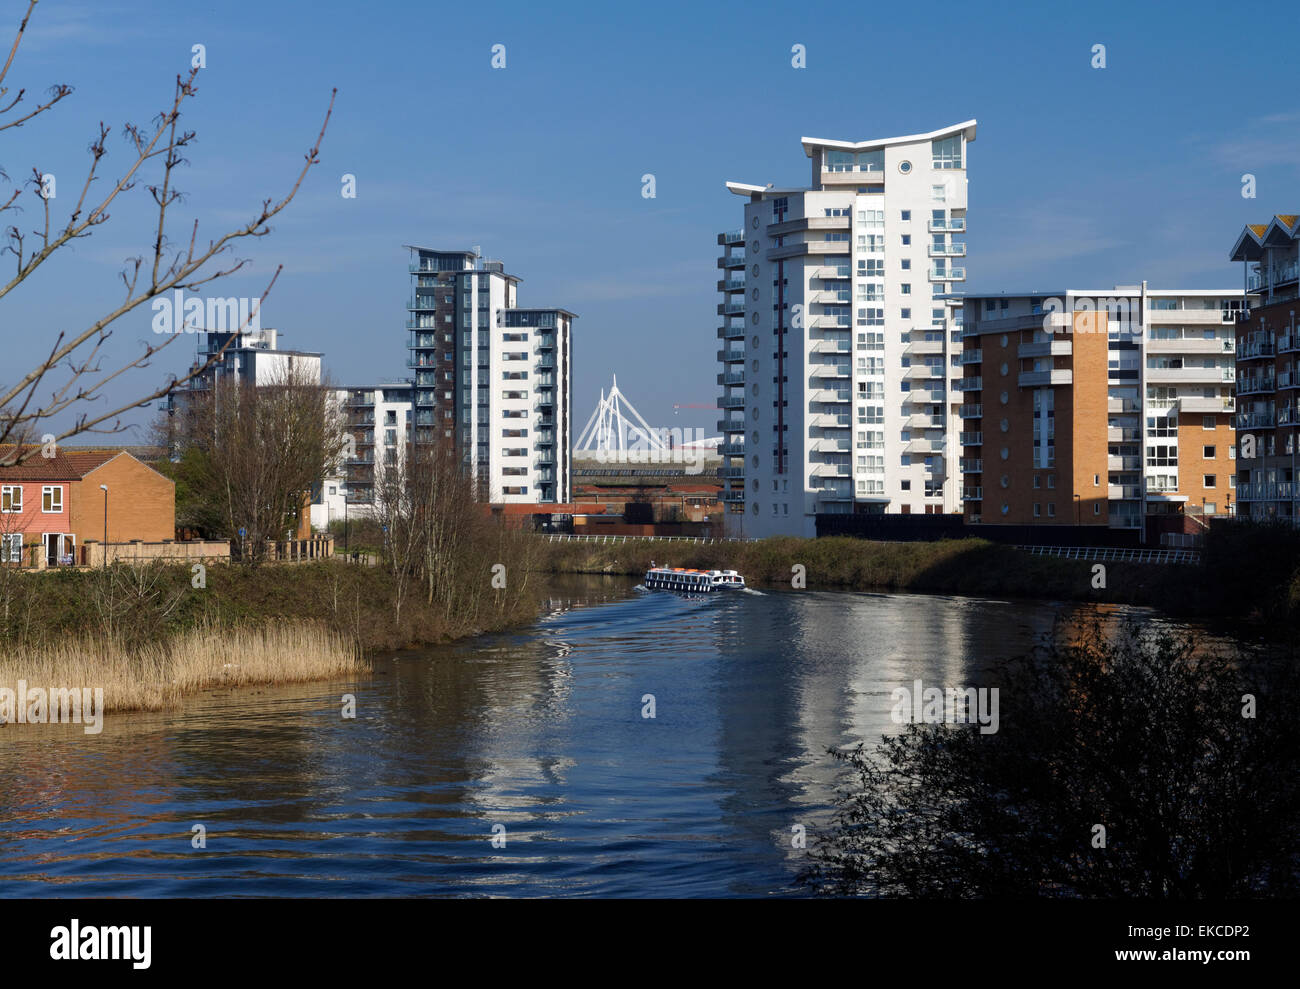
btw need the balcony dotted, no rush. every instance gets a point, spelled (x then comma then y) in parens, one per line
(970, 384)
(1255, 420)
(731, 285)
(947, 274)
(829, 445)
(831, 347)
(731, 449)
(923, 446)
(971, 465)
(972, 494)
(732, 496)
(831, 371)
(1253, 347)
(970, 439)
(826, 271)
(829, 322)
(1190, 345)
(731, 472)
(1250, 384)
(729, 237)
(731, 425)
(830, 395)
(828, 420)
(731, 308)
(923, 371)
(953, 224)
(1123, 492)
(923, 420)
(732, 378)
(731, 356)
(835, 297)
(971, 411)
(971, 357)
(1123, 462)
(916, 347)
(735, 331)
(732, 261)
(953, 249)
(1266, 491)
(1063, 347)
(731, 402)
(1039, 379)
(830, 470)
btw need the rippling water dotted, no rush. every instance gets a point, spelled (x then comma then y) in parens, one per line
(539, 732)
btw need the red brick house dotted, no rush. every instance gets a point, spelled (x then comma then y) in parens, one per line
(50, 506)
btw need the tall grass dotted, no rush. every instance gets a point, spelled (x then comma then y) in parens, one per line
(156, 676)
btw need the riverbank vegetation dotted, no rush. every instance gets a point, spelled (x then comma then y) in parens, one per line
(1143, 765)
(1249, 572)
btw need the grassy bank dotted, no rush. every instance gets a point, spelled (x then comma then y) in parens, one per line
(957, 566)
(158, 675)
(148, 635)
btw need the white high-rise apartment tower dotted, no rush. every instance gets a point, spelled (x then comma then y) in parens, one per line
(841, 346)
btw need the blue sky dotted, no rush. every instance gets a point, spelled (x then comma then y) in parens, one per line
(1078, 177)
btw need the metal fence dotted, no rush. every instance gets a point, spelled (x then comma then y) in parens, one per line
(1101, 553)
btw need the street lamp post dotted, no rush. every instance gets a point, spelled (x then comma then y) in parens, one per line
(104, 488)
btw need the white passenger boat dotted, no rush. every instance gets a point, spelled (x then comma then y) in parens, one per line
(691, 581)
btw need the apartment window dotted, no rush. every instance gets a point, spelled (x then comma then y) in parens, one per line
(52, 498)
(1038, 510)
(906, 288)
(1209, 481)
(905, 215)
(1207, 422)
(945, 152)
(11, 498)
(907, 240)
(1036, 482)
(1208, 453)
(905, 485)
(1096, 480)
(904, 314)
(11, 547)
(938, 194)
(1051, 480)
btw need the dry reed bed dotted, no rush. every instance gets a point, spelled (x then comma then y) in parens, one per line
(157, 676)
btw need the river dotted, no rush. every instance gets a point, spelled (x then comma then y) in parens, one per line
(515, 765)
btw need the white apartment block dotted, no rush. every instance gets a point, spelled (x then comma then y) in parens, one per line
(492, 378)
(377, 420)
(841, 339)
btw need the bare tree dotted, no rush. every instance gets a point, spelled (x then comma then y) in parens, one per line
(259, 449)
(156, 151)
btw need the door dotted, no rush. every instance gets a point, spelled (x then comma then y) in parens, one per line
(52, 549)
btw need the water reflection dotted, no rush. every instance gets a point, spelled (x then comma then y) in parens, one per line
(541, 732)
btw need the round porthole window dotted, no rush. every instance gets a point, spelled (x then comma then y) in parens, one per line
(754, 223)
(1006, 481)
(1005, 508)
(753, 248)
(755, 460)
(904, 167)
(756, 436)
(755, 343)
(754, 365)
(756, 413)
(1005, 453)
(1004, 369)
(754, 319)
(1004, 339)
(754, 295)
(755, 389)
(754, 271)
(755, 505)
(1004, 425)
(1005, 398)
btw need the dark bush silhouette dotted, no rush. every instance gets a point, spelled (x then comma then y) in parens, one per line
(1143, 734)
